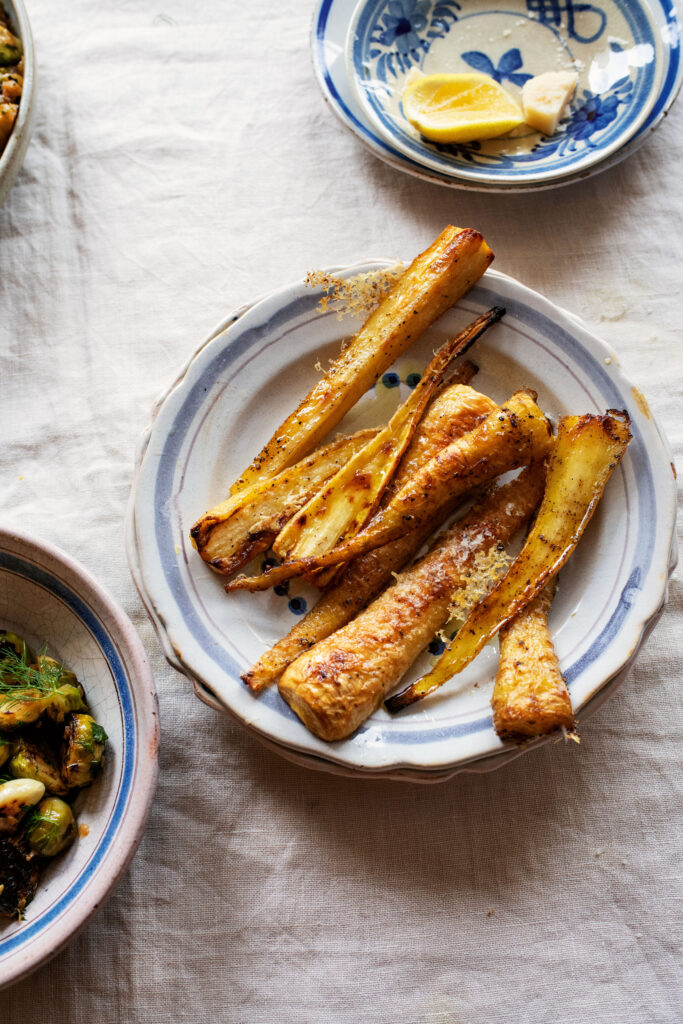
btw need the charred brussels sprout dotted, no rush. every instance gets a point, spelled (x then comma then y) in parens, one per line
(54, 673)
(34, 761)
(13, 644)
(63, 701)
(21, 707)
(16, 796)
(51, 827)
(10, 47)
(22, 693)
(50, 746)
(6, 749)
(19, 871)
(30, 689)
(82, 751)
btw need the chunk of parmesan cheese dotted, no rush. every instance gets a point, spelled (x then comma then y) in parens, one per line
(545, 97)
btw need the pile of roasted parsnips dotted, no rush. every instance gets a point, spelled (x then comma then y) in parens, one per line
(349, 515)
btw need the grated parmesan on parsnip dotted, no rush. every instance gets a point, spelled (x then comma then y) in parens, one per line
(354, 296)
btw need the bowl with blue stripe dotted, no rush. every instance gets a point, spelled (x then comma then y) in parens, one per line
(50, 599)
(12, 157)
(248, 376)
(628, 56)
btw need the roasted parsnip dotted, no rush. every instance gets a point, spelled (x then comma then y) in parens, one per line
(515, 435)
(433, 282)
(530, 696)
(586, 452)
(336, 685)
(340, 509)
(455, 411)
(232, 533)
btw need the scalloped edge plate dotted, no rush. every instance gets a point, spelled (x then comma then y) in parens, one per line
(188, 653)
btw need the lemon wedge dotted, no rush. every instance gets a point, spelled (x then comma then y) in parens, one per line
(460, 108)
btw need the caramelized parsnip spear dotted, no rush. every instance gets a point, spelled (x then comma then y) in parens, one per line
(345, 503)
(513, 436)
(232, 533)
(433, 283)
(336, 685)
(586, 452)
(530, 696)
(455, 411)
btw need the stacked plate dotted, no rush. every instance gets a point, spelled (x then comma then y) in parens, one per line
(247, 377)
(626, 53)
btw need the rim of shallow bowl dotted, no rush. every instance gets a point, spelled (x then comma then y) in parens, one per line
(16, 145)
(356, 122)
(647, 87)
(173, 652)
(40, 940)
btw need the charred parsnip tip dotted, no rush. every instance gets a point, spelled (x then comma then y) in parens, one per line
(517, 434)
(530, 696)
(586, 452)
(345, 503)
(454, 411)
(232, 533)
(336, 685)
(433, 282)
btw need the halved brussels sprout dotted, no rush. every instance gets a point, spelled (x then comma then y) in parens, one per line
(12, 643)
(63, 701)
(10, 47)
(51, 827)
(82, 751)
(21, 707)
(6, 749)
(32, 761)
(54, 672)
(19, 871)
(33, 688)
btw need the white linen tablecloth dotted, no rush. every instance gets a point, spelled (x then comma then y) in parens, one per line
(184, 161)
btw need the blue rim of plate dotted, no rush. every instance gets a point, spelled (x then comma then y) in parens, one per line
(175, 609)
(332, 76)
(41, 577)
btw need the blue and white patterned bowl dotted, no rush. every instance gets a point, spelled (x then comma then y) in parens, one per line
(247, 377)
(49, 598)
(362, 54)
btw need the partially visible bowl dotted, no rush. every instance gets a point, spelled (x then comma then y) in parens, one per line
(50, 599)
(15, 150)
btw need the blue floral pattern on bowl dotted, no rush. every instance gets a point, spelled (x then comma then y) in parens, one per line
(618, 81)
(507, 69)
(406, 29)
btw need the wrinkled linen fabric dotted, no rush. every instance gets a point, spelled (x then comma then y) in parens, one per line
(183, 162)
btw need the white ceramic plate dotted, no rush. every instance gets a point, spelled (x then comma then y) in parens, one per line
(330, 39)
(48, 598)
(244, 381)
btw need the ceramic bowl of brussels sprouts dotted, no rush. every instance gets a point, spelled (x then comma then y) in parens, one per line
(17, 90)
(78, 749)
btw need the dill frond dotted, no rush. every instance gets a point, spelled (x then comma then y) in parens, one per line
(23, 681)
